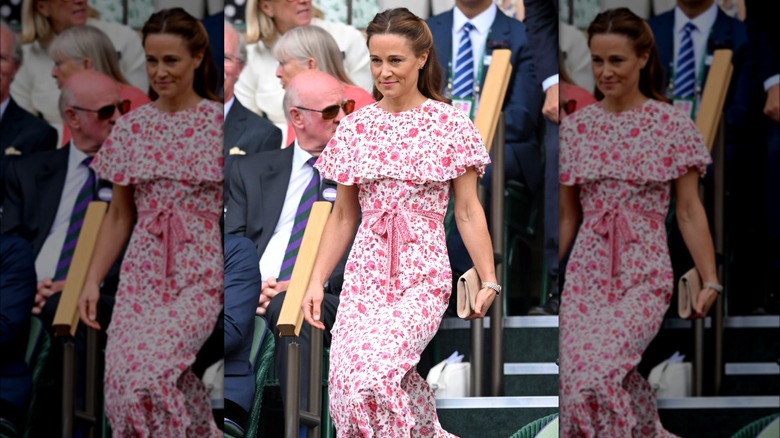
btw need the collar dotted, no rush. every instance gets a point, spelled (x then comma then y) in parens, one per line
(481, 22)
(75, 156)
(4, 106)
(703, 21)
(228, 105)
(299, 156)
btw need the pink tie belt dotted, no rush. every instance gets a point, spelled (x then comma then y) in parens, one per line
(168, 225)
(393, 224)
(614, 225)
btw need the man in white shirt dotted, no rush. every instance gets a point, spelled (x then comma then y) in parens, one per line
(265, 192)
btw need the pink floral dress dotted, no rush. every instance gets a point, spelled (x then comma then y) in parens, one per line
(397, 280)
(171, 281)
(619, 277)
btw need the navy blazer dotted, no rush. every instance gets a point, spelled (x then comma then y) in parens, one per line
(22, 133)
(541, 20)
(727, 32)
(246, 133)
(258, 188)
(523, 103)
(242, 292)
(17, 295)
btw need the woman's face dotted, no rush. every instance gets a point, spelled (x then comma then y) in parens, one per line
(64, 68)
(288, 69)
(394, 65)
(170, 66)
(63, 14)
(287, 14)
(615, 65)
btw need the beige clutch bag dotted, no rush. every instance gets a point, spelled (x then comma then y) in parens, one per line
(468, 288)
(688, 290)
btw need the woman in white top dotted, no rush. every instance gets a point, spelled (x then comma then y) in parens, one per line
(34, 89)
(258, 88)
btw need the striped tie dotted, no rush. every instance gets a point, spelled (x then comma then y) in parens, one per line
(86, 194)
(310, 194)
(463, 82)
(685, 73)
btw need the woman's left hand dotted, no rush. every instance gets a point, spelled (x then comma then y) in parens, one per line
(705, 300)
(485, 298)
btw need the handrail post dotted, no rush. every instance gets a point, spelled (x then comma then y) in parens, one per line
(497, 236)
(477, 353)
(292, 402)
(91, 396)
(68, 386)
(719, 152)
(315, 378)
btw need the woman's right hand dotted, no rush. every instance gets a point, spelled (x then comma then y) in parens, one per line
(311, 305)
(88, 305)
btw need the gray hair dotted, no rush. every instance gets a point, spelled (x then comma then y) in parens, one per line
(304, 42)
(16, 51)
(67, 99)
(241, 43)
(87, 42)
(291, 99)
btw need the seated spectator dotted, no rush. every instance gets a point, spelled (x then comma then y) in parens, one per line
(17, 292)
(265, 192)
(46, 197)
(42, 20)
(88, 48)
(242, 292)
(266, 21)
(21, 133)
(311, 47)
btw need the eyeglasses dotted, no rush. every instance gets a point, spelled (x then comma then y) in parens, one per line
(332, 111)
(105, 113)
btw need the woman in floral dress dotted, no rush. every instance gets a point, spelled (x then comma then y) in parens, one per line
(619, 160)
(395, 162)
(165, 160)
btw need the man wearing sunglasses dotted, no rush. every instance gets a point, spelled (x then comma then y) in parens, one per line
(266, 193)
(42, 190)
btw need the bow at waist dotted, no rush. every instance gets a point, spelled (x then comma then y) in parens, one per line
(614, 225)
(394, 225)
(168, 225)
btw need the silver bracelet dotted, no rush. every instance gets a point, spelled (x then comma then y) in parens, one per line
(714, 286)
(493, 286)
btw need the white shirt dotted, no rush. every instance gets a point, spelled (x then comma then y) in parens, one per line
(704, 23)
(271, 260)
(4, 105)
(228, 105)
(482, 24)
(76, 176)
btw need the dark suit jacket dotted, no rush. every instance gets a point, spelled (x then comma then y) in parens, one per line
(25, 133)
(248, 132)
(242, 291)
(17, 294)
(258, 189)
(33, 191)
(541, 20)
(523, 102)
(727, 32)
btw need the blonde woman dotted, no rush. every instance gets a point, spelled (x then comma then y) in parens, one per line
(312, 48)
(42, 20)
(266, 21)
(88, 48)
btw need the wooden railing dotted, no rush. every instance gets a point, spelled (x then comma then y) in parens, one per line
(289, 324)
(66, 321)
(709, 120)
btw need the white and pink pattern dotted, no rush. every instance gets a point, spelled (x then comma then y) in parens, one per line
(397, 280)
(619, 277)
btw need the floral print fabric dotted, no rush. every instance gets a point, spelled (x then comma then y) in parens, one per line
(619, 277)
(171, 280)
(397, 279)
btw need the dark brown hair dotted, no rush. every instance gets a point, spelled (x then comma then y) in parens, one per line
(621, 21)
(401, 22)
(176, 21)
